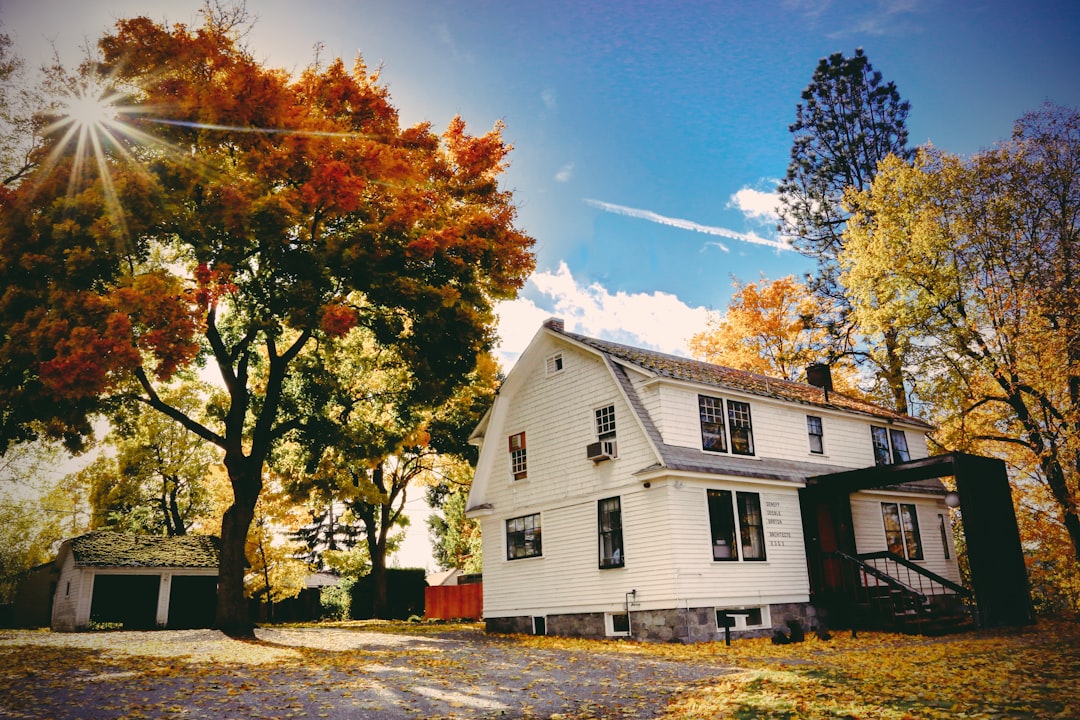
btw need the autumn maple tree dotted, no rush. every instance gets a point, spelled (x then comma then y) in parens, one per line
(192, 205)
(979, 261)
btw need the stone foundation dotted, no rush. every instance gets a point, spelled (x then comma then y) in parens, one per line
(682, 625)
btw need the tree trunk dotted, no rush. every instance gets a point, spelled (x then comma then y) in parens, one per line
(178, 526)
(380, 600)
(894, 371)
(232, 615)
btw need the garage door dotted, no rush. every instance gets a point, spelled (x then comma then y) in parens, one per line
(192, 602)
(125, 601)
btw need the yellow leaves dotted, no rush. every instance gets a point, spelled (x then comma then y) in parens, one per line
(349, 668)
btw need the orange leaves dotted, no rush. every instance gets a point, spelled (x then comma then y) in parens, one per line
(102, 336)
(334, 187)
(212, 283)
(86, 360)
(338, 320)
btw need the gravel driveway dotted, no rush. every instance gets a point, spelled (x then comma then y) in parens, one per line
(327, 673)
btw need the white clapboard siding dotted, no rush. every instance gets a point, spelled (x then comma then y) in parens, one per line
(779, 428)
(870, 528)
(666, 530)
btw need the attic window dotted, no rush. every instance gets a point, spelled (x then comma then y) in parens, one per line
(555, 363)
(518, 460)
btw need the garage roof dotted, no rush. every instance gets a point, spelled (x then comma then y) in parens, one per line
(115, 549)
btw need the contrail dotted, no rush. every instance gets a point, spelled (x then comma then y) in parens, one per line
(687, 225)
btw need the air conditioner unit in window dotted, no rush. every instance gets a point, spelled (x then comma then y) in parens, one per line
(600, 451)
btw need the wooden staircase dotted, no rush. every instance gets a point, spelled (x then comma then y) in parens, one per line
(883, 591)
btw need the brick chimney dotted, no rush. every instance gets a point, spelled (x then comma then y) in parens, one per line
(555, 324)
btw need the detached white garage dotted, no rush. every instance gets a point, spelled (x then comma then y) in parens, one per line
(135, 582)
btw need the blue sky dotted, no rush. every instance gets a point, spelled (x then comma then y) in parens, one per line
(649, 135)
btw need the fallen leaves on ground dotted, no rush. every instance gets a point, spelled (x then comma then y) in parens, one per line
(400, 670)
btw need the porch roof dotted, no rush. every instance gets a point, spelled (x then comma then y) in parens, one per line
(913, 473)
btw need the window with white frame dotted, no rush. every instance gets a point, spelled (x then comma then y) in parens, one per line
(725, 424)
(605, 422)
(890, 445)
(523, 537)
(713, 430)
(736, 525)
(902, 529)
(617, 623)
(518, 460)
(741, 618)
(816, 434)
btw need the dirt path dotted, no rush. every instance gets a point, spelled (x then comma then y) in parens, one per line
(326, 673)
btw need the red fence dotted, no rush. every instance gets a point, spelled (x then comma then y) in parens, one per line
(453, 602)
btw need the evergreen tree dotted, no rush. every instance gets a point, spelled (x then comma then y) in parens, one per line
(849, 120)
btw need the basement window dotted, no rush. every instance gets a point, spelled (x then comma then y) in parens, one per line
(618, 624)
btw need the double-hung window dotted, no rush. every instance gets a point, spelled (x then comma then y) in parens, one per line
(612, 554)
(736, 525)
(523, 537)
(604, 418)
(890, 445)
(816, 434)
(724, 424)
(518, 464)
(902, 530)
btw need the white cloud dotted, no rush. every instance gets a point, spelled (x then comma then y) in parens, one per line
(756, 205)
(550, 98)
(565, 174)
(655, 320)
(682, 224)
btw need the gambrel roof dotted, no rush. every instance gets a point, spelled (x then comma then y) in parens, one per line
(105, 548)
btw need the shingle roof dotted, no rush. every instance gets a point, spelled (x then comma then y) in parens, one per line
(680, 368)
(114, 549)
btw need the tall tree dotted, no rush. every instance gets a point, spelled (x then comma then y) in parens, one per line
(235, 214)
(849, 120)
(769, 327)
(372, 457)
(979, 258)
(150, 477)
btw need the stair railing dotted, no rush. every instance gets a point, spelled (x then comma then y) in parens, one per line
(918, 578)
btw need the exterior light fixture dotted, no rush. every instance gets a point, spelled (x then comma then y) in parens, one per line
(952, 499)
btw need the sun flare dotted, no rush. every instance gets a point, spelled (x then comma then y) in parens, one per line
(87, 108)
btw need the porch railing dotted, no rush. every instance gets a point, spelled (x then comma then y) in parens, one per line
(912, 575)
(885, 589)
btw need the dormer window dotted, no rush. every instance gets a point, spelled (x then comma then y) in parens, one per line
(890, 445)
(724, 424)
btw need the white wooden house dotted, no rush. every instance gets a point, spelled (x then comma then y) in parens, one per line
(111, 580)
(625, 492)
